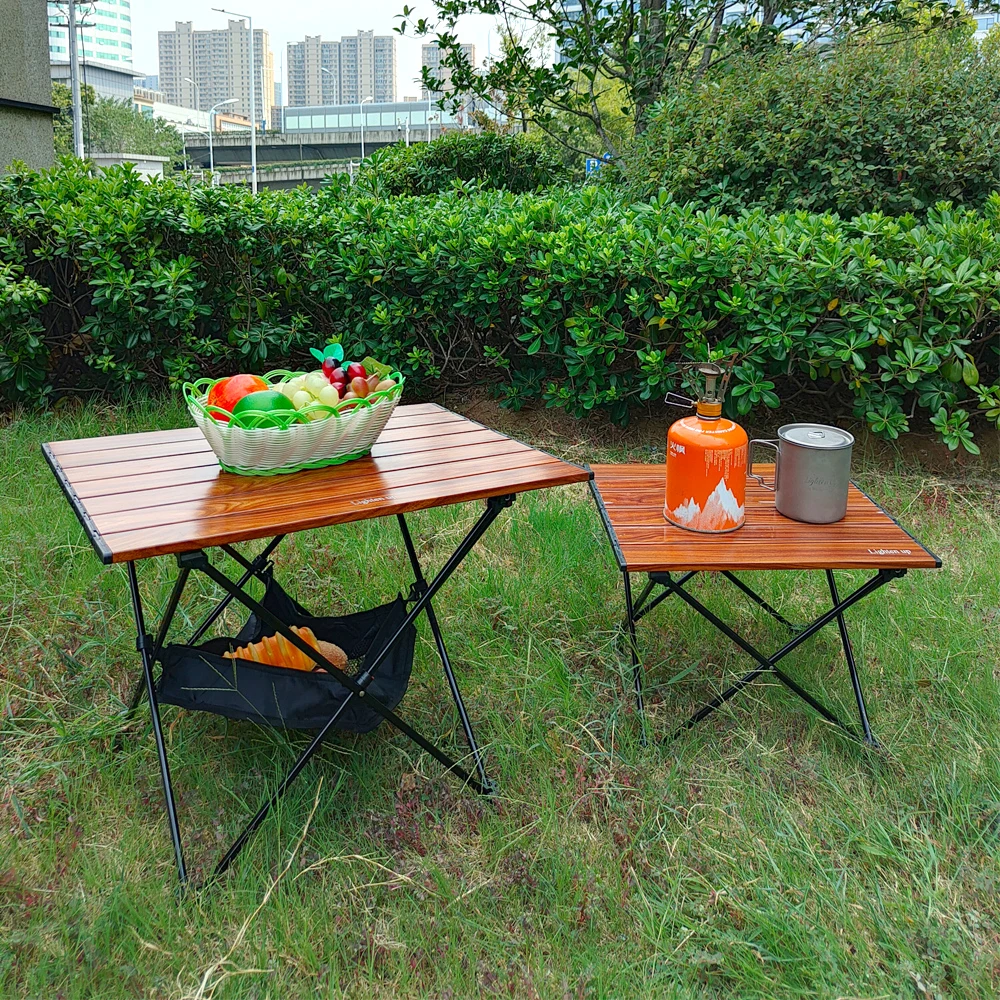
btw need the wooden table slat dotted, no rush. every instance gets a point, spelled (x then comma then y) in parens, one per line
(145, 542)
(90, 489)
(139, 463)
(302, 487)
(174, 444)
(142, 438)
(292, 505)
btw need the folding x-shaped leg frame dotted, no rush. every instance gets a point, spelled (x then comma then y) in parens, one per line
(421, 593)
(765, 664)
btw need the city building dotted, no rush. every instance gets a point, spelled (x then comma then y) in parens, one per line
(199, 69)
(383, 115)
(367, 67)
(312, 69)
(149, 82)
(104, 46)
(25, 92)
(358, 67)
(106, 81)
(430, 59)
(151, 104)
(985, 21)
(105, 32)
(278, 94)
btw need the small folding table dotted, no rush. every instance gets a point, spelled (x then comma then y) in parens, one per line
(630, 500)
(163, 493)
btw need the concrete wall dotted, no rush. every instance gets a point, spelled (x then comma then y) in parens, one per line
(24, 76)
(147, 166)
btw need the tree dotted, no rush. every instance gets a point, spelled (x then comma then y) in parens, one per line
(111, 126)
(635, 49)
(62, 124)
(116, 127)
(862, 127)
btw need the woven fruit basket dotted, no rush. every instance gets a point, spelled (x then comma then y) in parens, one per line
(255, 443)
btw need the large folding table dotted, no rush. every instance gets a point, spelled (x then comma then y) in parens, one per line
(630, 500)
(163, 493)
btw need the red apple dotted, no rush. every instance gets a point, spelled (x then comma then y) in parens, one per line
(227, 392)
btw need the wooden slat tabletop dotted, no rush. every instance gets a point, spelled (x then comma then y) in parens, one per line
(162, 492)
(631, 501)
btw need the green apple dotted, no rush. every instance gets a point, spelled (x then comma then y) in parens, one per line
(266, 401)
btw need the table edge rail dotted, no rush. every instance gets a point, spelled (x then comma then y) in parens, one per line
(101, 547)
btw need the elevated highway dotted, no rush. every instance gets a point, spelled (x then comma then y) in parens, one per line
(284, 175)
(232, 149)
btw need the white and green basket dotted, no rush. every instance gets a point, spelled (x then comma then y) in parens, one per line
(310, 438)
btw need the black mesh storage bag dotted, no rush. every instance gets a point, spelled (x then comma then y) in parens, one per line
(200, 678)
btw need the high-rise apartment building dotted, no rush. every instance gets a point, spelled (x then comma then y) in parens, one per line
(107, 36)
(313, 72)
(430, 59)
(199, 69)
(358, 67)
(104, 44)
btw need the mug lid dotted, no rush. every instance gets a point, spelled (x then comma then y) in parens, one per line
(819, 436)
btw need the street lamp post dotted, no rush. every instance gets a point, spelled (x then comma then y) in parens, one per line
(253, 103)
(197, 92)
(329, 72)
(361, 108)
(74, 82)
(211, 129)
(192, 131)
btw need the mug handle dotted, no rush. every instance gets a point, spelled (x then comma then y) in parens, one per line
(770, 443)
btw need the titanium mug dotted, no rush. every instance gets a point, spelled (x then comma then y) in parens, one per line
(812, 472)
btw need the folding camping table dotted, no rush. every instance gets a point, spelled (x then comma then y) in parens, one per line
(630, 500)
(163, 493)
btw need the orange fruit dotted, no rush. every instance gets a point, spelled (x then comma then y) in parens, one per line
(227, 392)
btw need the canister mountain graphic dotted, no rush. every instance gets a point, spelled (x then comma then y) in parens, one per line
(722, 511)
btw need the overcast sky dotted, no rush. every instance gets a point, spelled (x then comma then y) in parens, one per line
(291, 20)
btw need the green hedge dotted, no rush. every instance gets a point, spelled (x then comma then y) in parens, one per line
(571, 297)
(518, 163)
(878, 123)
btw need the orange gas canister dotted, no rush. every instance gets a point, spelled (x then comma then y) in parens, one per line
(706, 462)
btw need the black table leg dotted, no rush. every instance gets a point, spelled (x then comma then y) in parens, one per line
(175, 595)
(420, 587)
(633, 646)
(357, 687)
(845, 640)
(146, 647)
(234, 590)
(769, 664)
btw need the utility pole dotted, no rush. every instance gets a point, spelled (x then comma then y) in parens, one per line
(74, 81)
(253, 105)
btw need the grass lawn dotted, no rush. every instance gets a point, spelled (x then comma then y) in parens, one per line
(760, 855)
